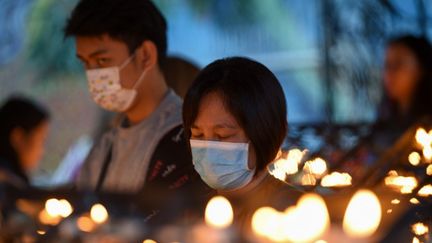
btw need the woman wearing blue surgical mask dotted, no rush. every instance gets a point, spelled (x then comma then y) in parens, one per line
(235, 117)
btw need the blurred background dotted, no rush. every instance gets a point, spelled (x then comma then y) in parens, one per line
(328, 54)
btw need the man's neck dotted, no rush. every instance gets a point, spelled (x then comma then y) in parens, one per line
(149, 99)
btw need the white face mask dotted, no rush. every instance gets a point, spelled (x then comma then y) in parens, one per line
(106, 90)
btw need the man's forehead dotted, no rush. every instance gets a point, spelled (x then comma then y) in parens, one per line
(91, 45)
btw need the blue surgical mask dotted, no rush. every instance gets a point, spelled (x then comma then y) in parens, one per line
(222, 165)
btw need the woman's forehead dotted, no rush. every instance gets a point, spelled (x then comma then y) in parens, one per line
(213, 112)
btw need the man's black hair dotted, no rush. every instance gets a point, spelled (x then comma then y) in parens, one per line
(130, 21)
(252, 94)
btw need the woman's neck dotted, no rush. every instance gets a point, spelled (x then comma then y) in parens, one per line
(258, 178)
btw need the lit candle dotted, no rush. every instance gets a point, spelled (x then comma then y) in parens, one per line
(356, 222)
(336, 179)
(295, 223)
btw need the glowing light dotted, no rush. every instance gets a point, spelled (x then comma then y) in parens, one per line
(356, 223)
(389, 211)
(401, 183)
(47, 219)
(294, 224)
(415, 240)
(149, 241)
(425, 191)
(65, 208)
(41, 232)
(86, 224)
(287, 166)
(414, 201)
(264, 221)
(427, 153)
(55, 207)
(308, 180)
(336, 179)
(419, 229)
(99, 214)
(429, 170)
(219, 213)
(414, 158)
(423, 138)
(395, 201)
(302, 229)
(317, 167)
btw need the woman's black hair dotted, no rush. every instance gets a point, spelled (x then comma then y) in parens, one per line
(422, 102)
(17, 112)
(252, 94)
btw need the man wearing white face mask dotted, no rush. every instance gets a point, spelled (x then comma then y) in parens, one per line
(122, 44)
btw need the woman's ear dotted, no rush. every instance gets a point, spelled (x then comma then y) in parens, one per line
(17, 137)
(147, 54)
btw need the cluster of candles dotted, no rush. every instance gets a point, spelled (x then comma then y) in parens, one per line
(307, 221)
(312, 170)
(56, 210)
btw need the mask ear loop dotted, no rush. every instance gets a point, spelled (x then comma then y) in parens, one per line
(141, 77)
(127, 61)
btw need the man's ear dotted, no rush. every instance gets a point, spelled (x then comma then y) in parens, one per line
(16, 138)
(147, 54)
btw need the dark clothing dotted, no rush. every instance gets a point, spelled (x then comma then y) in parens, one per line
(12, 174)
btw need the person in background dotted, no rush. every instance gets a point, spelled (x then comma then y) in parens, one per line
(407, 81)
(122, 45)
(23, 131)
(407, 89)
(179, 74)
(235, 116)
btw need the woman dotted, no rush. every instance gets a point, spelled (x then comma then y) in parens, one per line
(23, 131)
(407, 81)
(406, 101)
(235, 116)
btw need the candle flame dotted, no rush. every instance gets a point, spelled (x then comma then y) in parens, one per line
(149, 241)
(98, 213)
(47, 219)
(305, 222)
(427, 153)
(288, 165)
(317, 167)
(425, 191)
(85, 224)
(414, 201)
(356, 223)
(56, 208)
(219, 213)
(336, 179)
(429, 170)
(423, 138)
(395, 201)
(401, 183)
(419, 228)
(414, 158)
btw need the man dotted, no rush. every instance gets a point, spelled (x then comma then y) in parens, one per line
(122, 44)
